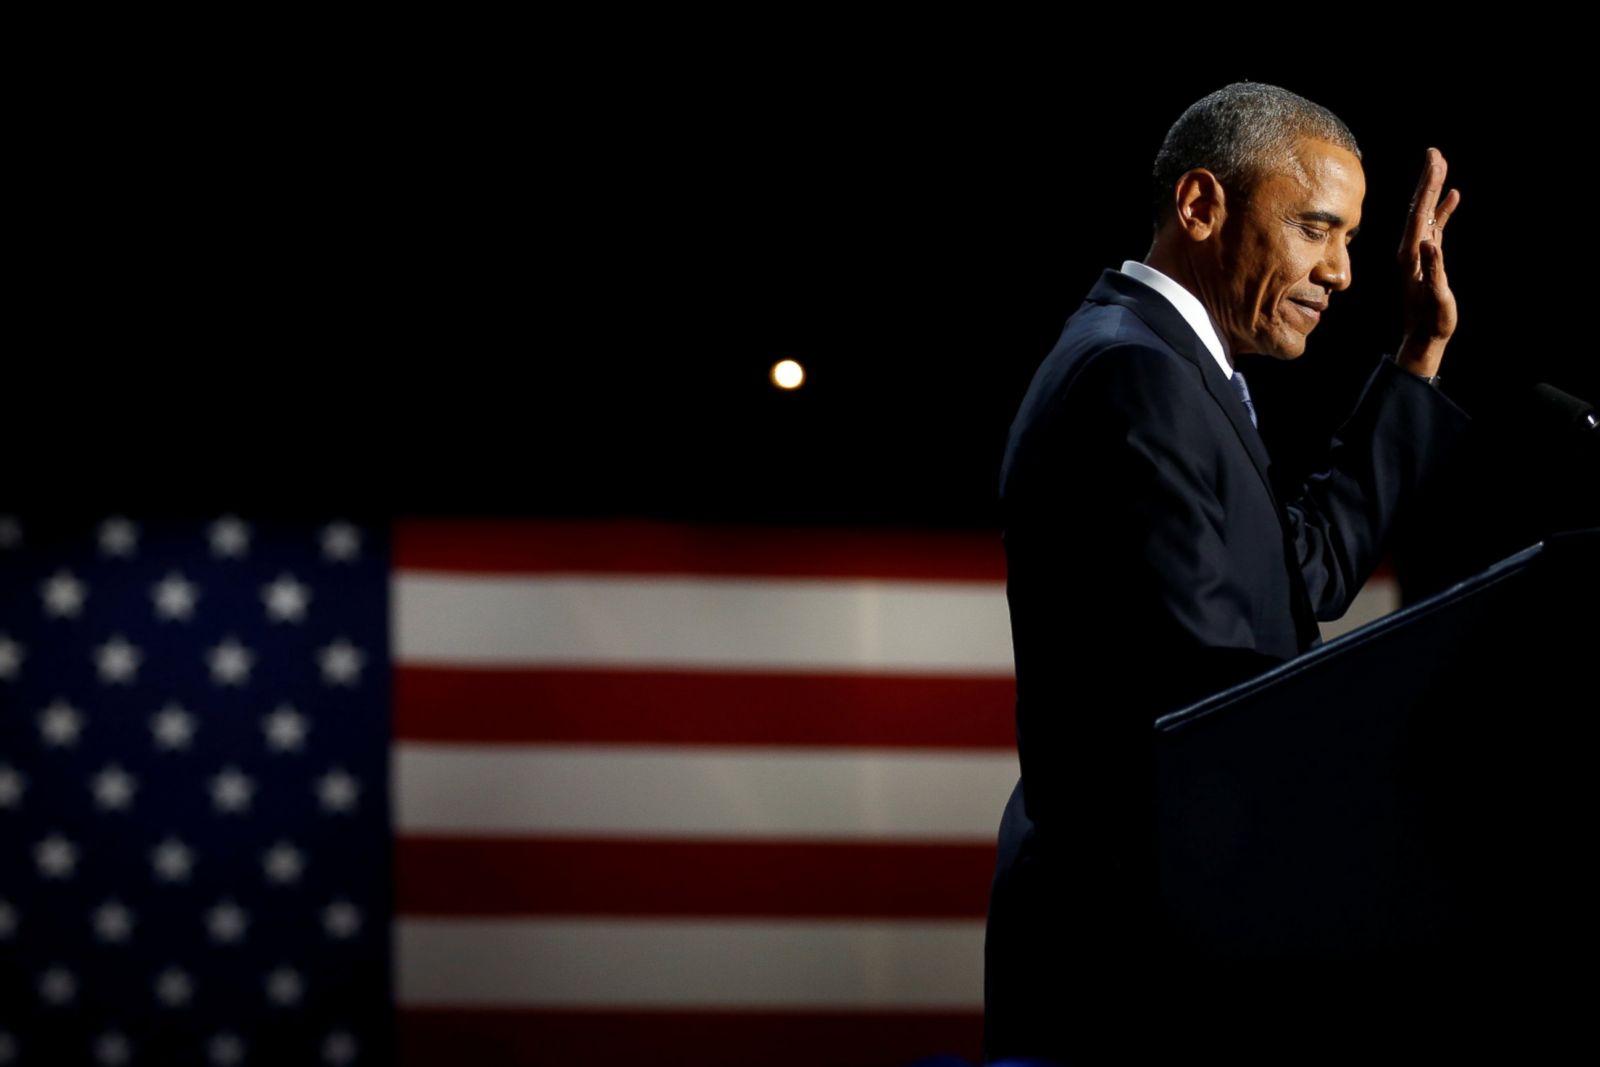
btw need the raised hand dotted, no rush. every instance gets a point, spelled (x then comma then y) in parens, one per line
(1430, 306)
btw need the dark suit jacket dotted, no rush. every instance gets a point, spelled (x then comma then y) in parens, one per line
(1151, 563)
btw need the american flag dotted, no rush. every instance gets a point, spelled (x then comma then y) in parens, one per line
(194, 722)
(660, 792)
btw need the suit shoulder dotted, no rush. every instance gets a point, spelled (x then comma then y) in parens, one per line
(1121, 362)
(1134, 367)
(1097, 325)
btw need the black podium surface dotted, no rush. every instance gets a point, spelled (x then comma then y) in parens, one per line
(1404, 812)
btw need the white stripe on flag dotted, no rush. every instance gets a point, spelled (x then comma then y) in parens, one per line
(700, 792)
(729, 623)
(654, 963)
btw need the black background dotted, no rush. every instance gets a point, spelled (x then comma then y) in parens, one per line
(553, 282)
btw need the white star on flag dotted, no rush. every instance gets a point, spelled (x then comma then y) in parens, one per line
(174, 987)
(63, 595)
(112, 922)
(341, 662)
(283, 863)
(341, 919)
(341, 542)
(57, 985)
(60, 724)
(11, 655)
(231, 791)
(112, 1049)
(285, 729)
(56, 856)
(285, 986)
(118, 537)
(286, 599)
(173, 860)
(173, 727)
(12, 784)
(175, 597)
(229, 537)
(339, 1048)
(113, 788)
(225, 1050)
(230, 662)
(226, 922)
(337, 791)
(117, 661)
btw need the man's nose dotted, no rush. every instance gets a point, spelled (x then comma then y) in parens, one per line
(1333, 270)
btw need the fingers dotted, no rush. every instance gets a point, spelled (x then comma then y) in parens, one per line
(1433, 265)
(1429, 185)
(1428, 214)
(1429, 182)
(1441, 302)
(1443, 212)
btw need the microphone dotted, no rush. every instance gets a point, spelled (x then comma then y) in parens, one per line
(1561, 419)
(1531, 469)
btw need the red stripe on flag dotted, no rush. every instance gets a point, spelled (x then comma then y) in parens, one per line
(690, 707)
(543, 546)
(705, 1039)
(501, 876)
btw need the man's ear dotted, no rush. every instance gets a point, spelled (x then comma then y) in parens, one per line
(1199, 204)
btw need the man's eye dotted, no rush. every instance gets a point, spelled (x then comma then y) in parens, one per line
(1314, 233)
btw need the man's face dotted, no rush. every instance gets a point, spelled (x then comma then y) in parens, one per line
(1286, 251)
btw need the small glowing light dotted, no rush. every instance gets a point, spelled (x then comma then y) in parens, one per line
(787, 374)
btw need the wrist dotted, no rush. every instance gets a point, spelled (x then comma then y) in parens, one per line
(1421, 356)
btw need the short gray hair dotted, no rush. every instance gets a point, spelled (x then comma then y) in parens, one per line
(1236, 133)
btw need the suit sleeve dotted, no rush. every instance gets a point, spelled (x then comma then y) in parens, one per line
(1401, 434)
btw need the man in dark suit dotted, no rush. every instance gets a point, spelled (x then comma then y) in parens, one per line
(1152, 561)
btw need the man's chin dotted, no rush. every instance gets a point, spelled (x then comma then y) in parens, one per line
(1278, 352)
(1291, 349)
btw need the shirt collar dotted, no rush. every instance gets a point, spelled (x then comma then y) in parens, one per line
(1187, 304)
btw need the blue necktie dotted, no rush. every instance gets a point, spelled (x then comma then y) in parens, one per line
(1244, 397)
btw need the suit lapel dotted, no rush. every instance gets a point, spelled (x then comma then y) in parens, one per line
(1114, 287)
(1157, 312)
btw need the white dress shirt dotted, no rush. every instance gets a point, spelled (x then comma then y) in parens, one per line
(1187, 304)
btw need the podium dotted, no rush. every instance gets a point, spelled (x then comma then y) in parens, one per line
(1405, 812)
